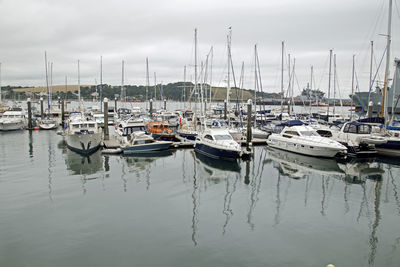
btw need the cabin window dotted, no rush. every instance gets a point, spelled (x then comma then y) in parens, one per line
(75, 126)
(352, 128)
(223, 137)
(309, 133)
(209, 137)
(291, 133)
(91, 125)
(364, 129)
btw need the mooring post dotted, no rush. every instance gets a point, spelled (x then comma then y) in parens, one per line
(62, 113)
(248, 136)
(225, 109)
(115, 105)
(41, 108)
(151, 108)
(370, 107)
(105, 118)
(29, 114)
(165, 104)
(247, 173)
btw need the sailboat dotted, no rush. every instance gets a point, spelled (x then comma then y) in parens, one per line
(47, 123)
(83, 135)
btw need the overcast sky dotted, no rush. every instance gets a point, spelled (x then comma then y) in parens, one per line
(163, 31)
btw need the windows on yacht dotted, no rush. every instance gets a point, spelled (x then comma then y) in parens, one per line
(209, 137)
(222, 137)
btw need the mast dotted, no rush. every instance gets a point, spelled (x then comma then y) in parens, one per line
(0, 82)
(370, 65)
(242, 81)
(352, 90)
(122, 82)
(290, 85)
(47, 78)
(147, 80)
(334, 84)
(79, 86)
(387, 71)
(155, 87)
(329, 82)
(101, 83)
(228, 88)
(201, 88)
(195, 69)
(66, 92)
(255, 81)
(211, 63)
(184, 84)
(282, 96)
(51, 87)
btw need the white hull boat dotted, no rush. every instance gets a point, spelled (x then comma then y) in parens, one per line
(304, 140)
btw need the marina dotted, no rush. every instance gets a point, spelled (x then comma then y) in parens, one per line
(200, 134)
(279, 207)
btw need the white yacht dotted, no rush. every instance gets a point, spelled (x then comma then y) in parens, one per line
(82, 135)
(304, 140)
(358, 138)
(218, 144)
(13, 120)
(47, 124)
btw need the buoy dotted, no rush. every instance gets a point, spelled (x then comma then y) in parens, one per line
(36, 128)
(116, 127)
(330, 265)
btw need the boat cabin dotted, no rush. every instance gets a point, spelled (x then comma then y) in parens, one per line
(158, 127)
(83, 127)
(357, 128)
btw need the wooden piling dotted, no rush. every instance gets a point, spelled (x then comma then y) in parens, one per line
(225, 109)
(248, 136)
(29, 114)
(165, 104)
(115, 105)
(106, 136)
(151, 108)
(370, 109)
(62, 113)
(41, 108)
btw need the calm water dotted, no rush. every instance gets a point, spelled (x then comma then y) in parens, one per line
(179, 209)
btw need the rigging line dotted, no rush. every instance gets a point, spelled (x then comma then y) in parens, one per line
(397, 9)
(338, 88)
(373, 80)
(323, 72)
(298, 87)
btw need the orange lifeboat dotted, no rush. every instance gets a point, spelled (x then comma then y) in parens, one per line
(160, 130)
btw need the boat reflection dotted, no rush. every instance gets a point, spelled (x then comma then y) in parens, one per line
(215, 169)
(83, 164)
(142, 160)
(358, 170)
(299, 166)
(354, 170)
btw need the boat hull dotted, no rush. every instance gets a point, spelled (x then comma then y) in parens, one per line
(12, 126)
(145, 148)
(390, 148)
(308, 150)
(84, 143)
(216, 153)
(188, 136)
